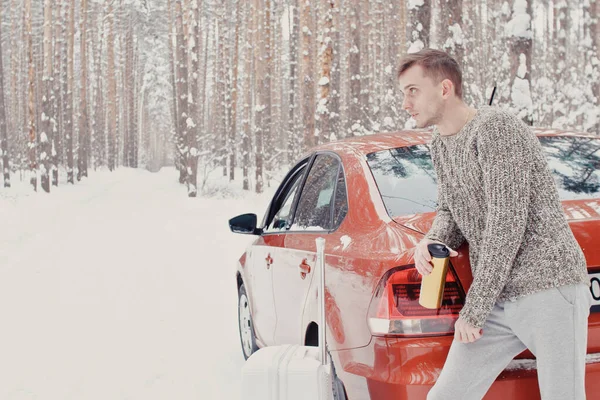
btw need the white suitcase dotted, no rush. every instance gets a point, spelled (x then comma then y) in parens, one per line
(286, 372)
(292, 372)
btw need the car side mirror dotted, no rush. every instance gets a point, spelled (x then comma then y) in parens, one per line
(245, 224)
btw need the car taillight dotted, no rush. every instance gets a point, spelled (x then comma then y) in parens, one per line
(395, 308)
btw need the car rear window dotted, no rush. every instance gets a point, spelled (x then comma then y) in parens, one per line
(407, 181)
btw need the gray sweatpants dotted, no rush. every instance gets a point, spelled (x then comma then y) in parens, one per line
(552, 324)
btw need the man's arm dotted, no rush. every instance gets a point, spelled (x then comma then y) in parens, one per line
(505, 155)
(444, 229)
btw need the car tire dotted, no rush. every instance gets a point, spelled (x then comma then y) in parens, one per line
(245, 324)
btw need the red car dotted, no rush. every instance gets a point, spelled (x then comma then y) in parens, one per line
(373, 199)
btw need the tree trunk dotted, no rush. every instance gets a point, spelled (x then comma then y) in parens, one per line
(82, 164)
(47, 115)
(247, 106)
(70, 83)
(234, 95)
(194, 124)
(418, 26)
(355, 117)
(561, 28)
(3, 130)
(182, 91)
(306, 74)
(520, 42)
(323, 114)
(112, 91)
(31, 103)
(453, 30)
(57, 141)
(294, 144)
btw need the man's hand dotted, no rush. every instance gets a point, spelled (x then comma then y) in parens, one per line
(423, 258)
(465, 332)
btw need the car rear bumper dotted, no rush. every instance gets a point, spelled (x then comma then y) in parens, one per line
(407, 368)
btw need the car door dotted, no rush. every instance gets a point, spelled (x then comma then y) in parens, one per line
(295, 270)
(267, 254)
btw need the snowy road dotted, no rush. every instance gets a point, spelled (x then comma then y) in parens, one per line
(119, 287)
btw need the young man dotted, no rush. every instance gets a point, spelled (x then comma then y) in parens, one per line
(496, 192)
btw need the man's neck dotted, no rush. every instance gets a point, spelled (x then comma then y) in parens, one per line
(454, 119)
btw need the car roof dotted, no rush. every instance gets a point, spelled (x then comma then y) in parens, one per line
(362, 145)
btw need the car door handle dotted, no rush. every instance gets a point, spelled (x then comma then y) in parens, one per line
(269, 260)
(304, 268)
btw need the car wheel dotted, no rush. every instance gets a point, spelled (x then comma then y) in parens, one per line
(245, 324)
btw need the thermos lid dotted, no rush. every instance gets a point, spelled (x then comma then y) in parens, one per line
(438, 250)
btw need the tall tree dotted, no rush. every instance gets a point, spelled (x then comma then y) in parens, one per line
(234, 91)
(193, 106)
(47, 109)
(31, 97)
(70, 83)
(58, 44)
(520, 43)
(323, 114)
(560, 70)
(418, 25)
(112, 90)
(294, 139)
(307, 74)
(82, 157)
(3, 130)
(247, 85)
(354, 126)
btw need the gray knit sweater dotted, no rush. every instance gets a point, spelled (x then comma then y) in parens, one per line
(495, 191)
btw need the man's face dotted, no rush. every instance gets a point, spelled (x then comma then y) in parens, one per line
(422, 97)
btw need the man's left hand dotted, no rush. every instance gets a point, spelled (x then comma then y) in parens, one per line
(465, 332)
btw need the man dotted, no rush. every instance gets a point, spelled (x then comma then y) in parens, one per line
(496, 192)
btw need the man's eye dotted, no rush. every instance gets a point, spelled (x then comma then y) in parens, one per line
(412, 90)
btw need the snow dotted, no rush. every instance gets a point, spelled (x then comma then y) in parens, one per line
(120, 287)
(323, 81)
(416, 46)
(414, 4)
(520, 24)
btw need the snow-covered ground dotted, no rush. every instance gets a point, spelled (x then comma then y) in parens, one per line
(120, 287)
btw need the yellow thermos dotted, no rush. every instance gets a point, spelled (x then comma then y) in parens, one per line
(432, 285)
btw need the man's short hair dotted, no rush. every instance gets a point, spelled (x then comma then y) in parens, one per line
(437, 65)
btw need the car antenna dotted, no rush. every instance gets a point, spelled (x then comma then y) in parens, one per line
(493, 93)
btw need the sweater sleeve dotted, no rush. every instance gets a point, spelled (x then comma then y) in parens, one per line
(505, 151)
(444, 229)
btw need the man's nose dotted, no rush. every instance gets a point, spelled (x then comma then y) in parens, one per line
(405, 104)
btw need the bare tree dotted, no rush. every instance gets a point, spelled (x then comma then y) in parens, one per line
(307, 74)
(323, 114)
(82, 163)
(70, 83)
(47, 116)
(520, 42)
(112, 90)
(355, 126)
(234, 92)
(294, 139)
(247, 85)
(3, 131)
(418, 25)
(31, 103)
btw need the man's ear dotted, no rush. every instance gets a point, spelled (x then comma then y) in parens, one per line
(447, 88)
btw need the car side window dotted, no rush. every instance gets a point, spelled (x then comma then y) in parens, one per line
(316, 199)
(340, 206)
(281, 220)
